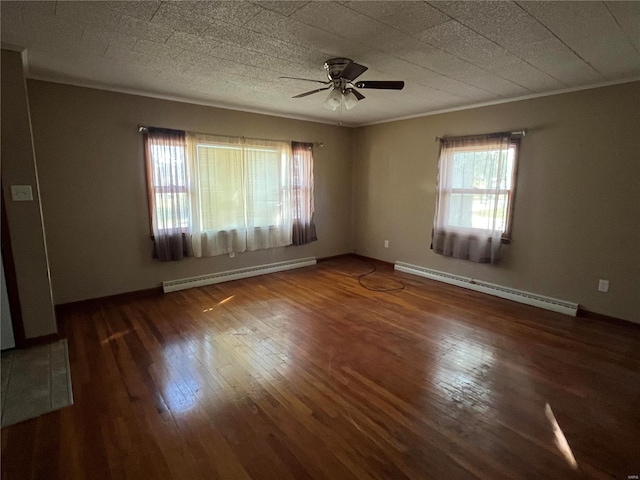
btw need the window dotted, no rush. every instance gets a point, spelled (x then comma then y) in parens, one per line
(169, 185)
(481, 189)
(476, 182)
(226, 194)
(238, 181)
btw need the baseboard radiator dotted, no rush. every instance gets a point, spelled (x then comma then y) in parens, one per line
(520, 296)
(229, 275)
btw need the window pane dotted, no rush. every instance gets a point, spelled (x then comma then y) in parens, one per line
(169, 167)
(482, 169)
(478, 211)
(172, 210)
(221, 200)
(264, 183)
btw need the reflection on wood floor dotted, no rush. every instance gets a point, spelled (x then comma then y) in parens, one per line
(306, 374)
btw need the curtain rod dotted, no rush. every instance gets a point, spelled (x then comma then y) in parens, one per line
(143, 128)
(522, 133)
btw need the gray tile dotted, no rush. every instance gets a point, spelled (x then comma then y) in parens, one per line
(60, 391)
(7, 354)
(29, 383)
(38, 382)
(30, 367)
(5, 365)
(32, 355)
(17, 412)
(58, 362)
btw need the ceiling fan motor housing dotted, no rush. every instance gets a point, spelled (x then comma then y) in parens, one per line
(335, 66)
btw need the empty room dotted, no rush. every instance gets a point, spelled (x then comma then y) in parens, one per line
(320, 240)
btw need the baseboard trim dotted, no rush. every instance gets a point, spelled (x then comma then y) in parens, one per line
(334, 257)
(229, 275)
(364, 258)
(606, 318)
(528, 298)
(62, 307)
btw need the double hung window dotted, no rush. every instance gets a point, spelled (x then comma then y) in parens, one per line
(475, 196)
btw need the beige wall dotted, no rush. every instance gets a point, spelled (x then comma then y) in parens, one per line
(577, 210)
(25, 219)
(576, 218)
(90, 161)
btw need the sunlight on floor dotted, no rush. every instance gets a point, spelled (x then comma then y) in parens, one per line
(221, 302)
(561, 441)
(115, 336)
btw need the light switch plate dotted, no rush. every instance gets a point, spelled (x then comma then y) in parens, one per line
(603, 286)
(21, 193)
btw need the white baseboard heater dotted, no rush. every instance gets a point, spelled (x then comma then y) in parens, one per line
(210, 279)
(520, 296)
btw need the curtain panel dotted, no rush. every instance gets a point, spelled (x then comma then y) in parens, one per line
(216, 195)
(167, 187)
(304, 227)
(473, 197)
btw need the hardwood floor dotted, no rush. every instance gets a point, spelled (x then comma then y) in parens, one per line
(306, 374)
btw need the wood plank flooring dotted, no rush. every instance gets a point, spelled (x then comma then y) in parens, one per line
(305, 374)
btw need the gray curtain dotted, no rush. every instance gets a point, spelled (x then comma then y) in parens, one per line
(304, 228)
(475, 185)
(167, 185)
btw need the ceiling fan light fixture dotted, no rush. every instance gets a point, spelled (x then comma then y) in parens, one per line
(333, 100)
(350, 100)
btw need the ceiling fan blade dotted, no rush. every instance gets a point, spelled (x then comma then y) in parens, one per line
(386, 85)
(358, 95)
(353, 71)
(307, 80)
(311, 92)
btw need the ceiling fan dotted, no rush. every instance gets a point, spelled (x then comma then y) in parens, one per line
(342, 73)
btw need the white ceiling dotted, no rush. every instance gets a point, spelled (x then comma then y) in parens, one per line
(450, 54)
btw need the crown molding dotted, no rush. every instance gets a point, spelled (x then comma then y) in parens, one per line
(177, 98)
(505, 100)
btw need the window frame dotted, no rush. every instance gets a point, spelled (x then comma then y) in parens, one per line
(506, 237)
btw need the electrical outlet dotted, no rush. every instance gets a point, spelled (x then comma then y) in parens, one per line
(603, 285)
(386, 244)
(232, 254)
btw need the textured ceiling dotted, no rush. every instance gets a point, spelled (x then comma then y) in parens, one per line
(450, 54)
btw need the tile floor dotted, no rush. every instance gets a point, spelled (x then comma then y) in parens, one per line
(35, 380)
